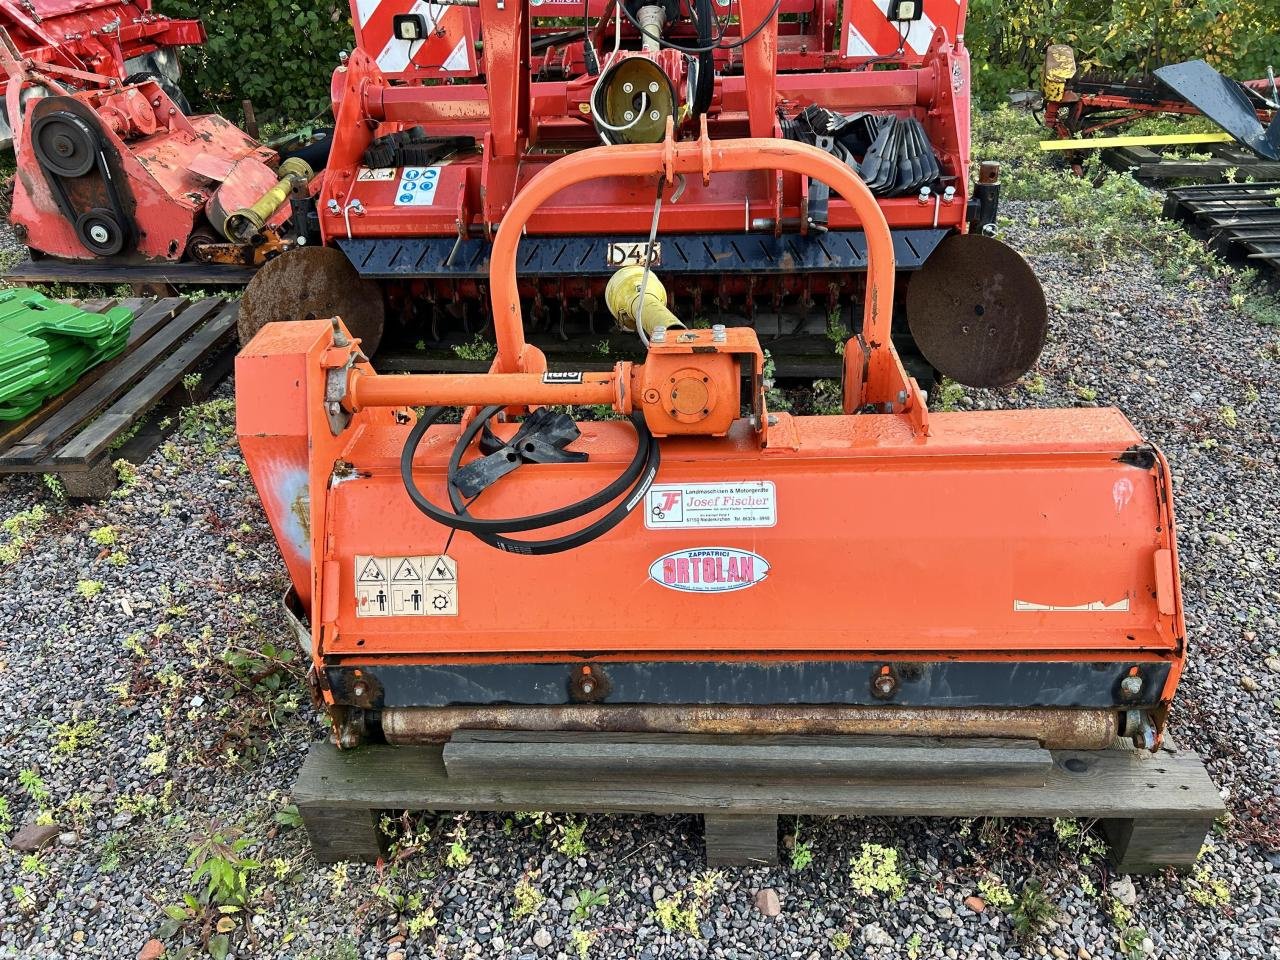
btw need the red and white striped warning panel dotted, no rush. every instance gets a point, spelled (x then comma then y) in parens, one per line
(448, 47)
(868, 31)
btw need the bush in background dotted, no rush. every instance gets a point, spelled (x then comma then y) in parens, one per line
(281, 53)
(1007, 38)
(278, 53)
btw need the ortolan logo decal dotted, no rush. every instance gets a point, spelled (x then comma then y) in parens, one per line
(709, 569)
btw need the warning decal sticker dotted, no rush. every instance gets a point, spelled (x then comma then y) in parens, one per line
(686, 506)
(406, 586)
(417, 186)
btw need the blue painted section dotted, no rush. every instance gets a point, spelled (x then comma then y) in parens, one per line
(839, 251)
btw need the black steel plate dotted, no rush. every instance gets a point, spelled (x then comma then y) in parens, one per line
(838, 251)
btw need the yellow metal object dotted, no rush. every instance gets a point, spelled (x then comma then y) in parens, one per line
(243, 225)
(1155, 140)
(1059, 67)
(623, 296)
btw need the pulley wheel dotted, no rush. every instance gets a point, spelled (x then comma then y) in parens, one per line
(309, 283)
(977, 311)
(100, 231)
(64, 144)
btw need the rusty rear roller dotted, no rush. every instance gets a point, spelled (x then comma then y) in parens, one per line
(1055, 728)
(977, 311)
(311, 283)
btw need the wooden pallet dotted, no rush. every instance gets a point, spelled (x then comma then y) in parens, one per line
(137, 275)
(74, 436)
(1237, 219)
(1155, 809)
(1226, 160)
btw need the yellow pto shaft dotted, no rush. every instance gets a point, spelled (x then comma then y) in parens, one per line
(243, 225)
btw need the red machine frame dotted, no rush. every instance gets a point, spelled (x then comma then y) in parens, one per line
(69, 38)
(516, 118)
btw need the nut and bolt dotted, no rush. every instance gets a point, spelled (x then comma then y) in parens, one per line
(628, 87)
(655, 115)
(884, 685)
(949, 194)
(1130, 687)
(925, 194)
(587, 686)
(653, 86)
(629, 116)
(334, 207)
(718, 333)
(359, 689)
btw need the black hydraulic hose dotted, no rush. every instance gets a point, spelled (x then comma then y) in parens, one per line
(638, 476)
(718, 43)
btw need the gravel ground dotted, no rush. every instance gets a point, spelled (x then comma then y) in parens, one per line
(138, 737)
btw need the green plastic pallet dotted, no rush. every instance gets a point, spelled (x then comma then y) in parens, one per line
(46, 346)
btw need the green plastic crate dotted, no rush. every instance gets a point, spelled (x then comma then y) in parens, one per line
(46, 346)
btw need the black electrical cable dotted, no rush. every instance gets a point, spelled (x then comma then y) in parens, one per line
(638, 477)
(717, 44)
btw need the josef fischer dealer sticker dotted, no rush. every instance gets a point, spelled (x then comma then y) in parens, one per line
(709, 569)
(687, 506)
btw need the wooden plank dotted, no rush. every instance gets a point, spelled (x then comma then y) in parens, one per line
(1169, 787)
(94, 440)
(741, 839)
(504, 755)
(1150, 844)
(46, 270)
(1109, 783)
(341, 834)
(31, 453)
(145, 323)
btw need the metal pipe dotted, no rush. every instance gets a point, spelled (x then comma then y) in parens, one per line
(483, 389)
(1054, 728)
(652, 20)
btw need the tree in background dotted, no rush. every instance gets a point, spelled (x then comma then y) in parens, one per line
(281, 53)
(278, 53)
(1007, 38)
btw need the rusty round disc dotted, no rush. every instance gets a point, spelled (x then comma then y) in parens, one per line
(308, 283)
(977, 311)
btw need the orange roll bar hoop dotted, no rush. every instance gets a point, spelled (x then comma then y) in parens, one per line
(704, 157)
(515, 377)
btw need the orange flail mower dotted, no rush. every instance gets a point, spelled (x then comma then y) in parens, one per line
(701, 563)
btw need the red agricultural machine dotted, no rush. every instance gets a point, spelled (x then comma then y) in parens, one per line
(446, 112)
(1084, 103)
(111, 170)
(121, 40)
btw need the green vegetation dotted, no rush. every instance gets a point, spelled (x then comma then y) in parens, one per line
(528, 897)
(682, 911)
(478, 348)
(1032, 910)
(993, 890)
(17, 531)
(571, 843)
(875, 870)
(584, 901)
(278, 53)
(1007, 38)
(75, 734)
